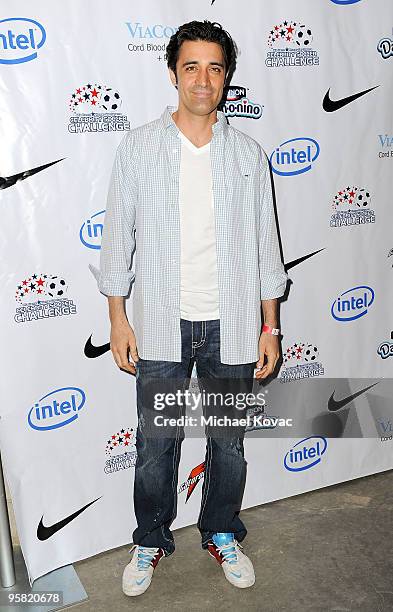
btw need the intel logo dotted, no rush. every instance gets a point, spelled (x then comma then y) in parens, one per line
(352, 304)
(90, 233)
(305, 454)
(56, 409)
(345, 1)
(19, 40)
(294, 156)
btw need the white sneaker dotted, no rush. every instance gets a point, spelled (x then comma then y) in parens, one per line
(237, 567)
(138, 573)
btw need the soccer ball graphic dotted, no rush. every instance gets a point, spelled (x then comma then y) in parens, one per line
(310, 353)
(362, 198)
(110, 100)
(56, 287)
(303, 36)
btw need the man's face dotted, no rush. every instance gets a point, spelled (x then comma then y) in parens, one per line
(200, 76)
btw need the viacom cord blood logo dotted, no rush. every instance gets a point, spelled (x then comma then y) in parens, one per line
(90, 233)
(386, 429)
(236, 103)
(42, 296)
(20, 39)
(56, 409)
(96, 108)
(301, 361)
(294, 156)
(151, 36)
(120, 450)
(385, 47)
(351, 206)
(196, 474)
(305, 454)
(386, 145)
(353, 303)
(385, 349)
(290, 44)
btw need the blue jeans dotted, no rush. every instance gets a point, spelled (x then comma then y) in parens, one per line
(156, 469)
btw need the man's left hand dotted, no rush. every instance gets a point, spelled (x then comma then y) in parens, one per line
(269, 347)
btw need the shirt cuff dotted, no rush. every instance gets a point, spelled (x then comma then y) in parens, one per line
(117, 284)
(273, 285)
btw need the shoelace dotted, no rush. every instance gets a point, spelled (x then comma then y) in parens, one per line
(229, 551)
(145, 557)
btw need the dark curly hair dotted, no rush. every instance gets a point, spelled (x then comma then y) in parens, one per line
(203, 30)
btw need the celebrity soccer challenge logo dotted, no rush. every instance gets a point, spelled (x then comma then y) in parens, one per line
(42, 296)
(290, 44)
(351, 206)
(301, 360)
(120, 451)
(96, 108)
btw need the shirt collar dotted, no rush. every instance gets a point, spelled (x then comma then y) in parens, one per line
(221, 124)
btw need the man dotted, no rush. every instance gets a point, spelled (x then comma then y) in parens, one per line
(192, 195)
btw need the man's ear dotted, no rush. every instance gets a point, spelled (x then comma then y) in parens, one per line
(173, 77)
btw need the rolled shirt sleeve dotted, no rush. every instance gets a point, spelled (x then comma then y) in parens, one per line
(118, 236)
(273, 278)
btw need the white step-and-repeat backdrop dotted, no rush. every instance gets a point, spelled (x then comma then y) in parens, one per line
(314, 86)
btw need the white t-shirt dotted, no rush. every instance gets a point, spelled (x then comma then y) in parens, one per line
(198, 260)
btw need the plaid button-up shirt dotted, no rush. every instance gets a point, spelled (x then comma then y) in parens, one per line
(143, 214)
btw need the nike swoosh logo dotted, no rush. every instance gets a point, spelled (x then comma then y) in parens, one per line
(236, 575)
(9, 181)
(334, 405)
(330, 106)
(44, 532)
(139, 582)
(92, 351)
(296, 262)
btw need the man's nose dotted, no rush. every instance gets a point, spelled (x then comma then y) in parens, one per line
(202, 77)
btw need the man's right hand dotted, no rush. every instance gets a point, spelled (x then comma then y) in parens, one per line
(123, 345)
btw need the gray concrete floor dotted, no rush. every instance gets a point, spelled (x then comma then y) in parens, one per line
(328, 550)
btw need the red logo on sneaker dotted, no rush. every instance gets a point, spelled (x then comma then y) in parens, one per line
(213, 550)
